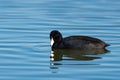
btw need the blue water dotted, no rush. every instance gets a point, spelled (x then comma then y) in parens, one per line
(24, 38)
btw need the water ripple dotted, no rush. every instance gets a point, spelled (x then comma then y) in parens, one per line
(25, 46)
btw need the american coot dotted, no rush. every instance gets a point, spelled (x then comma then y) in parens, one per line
(75, 42)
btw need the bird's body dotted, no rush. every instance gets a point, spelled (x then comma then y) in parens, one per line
(83, 42)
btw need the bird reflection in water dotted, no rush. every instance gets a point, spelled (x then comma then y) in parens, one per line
(79, 55)
(57, 54)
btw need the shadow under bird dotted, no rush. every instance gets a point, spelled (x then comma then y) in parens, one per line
(75, 42)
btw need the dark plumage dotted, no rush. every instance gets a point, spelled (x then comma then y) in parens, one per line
(75, 42)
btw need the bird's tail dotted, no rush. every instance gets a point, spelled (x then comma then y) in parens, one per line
(107, 45)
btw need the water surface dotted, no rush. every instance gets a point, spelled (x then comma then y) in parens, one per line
(25, 46)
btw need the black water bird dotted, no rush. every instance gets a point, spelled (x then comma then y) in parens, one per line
(75, 42)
